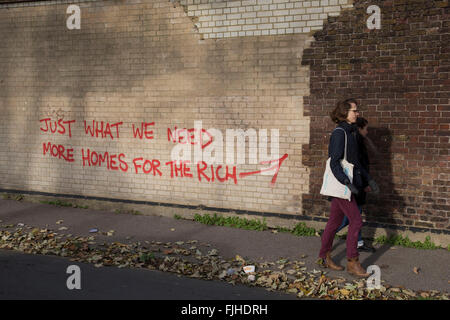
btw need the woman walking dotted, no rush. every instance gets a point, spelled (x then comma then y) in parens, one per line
(345, 115)
(364, 143)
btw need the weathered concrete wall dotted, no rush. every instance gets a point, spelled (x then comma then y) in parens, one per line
(141, 61)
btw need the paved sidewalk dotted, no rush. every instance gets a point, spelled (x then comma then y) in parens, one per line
(396, 263)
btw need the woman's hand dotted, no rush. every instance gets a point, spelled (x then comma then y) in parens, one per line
(352, 188)
(374, 187)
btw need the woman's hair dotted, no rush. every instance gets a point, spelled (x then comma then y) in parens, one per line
(361, 122)
(340, 113)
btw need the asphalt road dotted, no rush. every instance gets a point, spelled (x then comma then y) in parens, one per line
(38, 277)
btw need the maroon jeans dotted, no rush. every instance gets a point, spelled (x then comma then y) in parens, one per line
(339, 208)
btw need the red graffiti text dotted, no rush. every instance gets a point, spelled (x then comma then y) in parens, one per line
(147, 166)
(102, 129)
(143, 131)
(184, 136)
(92, 158)
(180, 170)
(58, 151)
(56, 126)
(202, 170)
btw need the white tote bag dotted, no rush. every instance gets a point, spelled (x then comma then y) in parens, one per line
(330, 185)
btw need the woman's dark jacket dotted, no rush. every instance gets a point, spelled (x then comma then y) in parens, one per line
(336, 153)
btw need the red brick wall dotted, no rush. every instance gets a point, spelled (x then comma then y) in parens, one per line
(400, 75)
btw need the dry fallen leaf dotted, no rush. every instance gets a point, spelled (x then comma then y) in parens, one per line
(213, 252)
(409, 292)
(345, 292)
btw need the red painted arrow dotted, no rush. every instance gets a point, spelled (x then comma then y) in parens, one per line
(276, 167)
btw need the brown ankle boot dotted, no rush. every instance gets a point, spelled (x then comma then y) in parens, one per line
(329, 263)
(355, 268)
